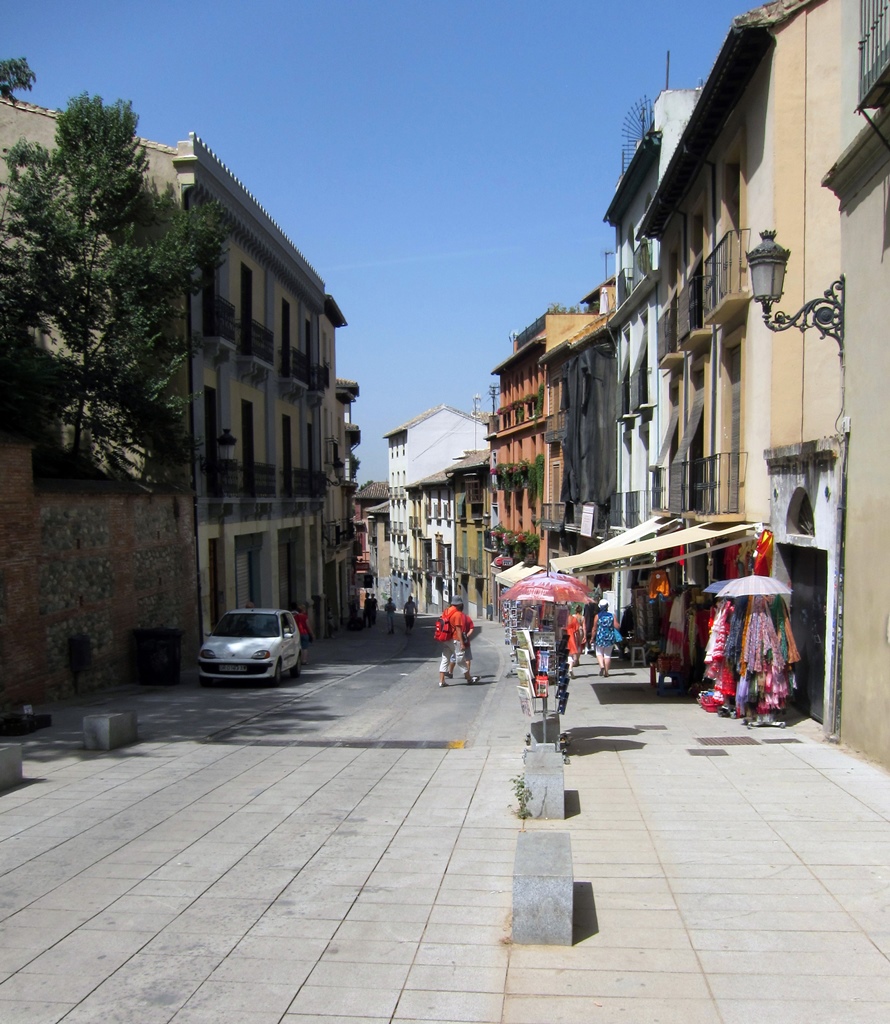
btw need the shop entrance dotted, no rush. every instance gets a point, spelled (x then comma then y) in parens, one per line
(808, 568)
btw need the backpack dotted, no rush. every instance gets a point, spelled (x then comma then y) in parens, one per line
(443, 629)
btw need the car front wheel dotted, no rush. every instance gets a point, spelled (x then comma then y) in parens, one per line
(276, 678)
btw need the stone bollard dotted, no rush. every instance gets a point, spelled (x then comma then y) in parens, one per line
(10, 765)
(543, 889)
(544, 779)
(107, 732)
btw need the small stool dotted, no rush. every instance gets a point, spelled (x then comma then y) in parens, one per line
(677, 685)
(637, 656)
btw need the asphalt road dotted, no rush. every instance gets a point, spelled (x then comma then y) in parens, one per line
(366, 687)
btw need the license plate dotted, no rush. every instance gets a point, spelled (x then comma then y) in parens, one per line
(232, 668)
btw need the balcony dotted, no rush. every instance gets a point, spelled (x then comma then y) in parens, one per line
(715, 484)
(462, 565)
(230, 478)
(692, 333)
(726, 291)
(434, 566)
(219, 320)
(669, 353)
(552, 516)
(555, 429)
(338, 531)
(628, 509)
(477, 567)
(874, 53)
(304, 483)
(319, 377)
(256, 341)
(624, 284)
(639, 389)
(294, 364)
(658, 490)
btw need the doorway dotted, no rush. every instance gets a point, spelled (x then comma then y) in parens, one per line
(808, 569)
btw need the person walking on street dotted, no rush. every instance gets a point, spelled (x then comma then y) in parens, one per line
(370, 611)
(301, 617)
(459, 654)
(575, 634)
(604, 636)
(410, 611)
(390, 609)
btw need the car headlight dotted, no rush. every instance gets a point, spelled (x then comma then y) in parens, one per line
(261, 655)
(206, 653)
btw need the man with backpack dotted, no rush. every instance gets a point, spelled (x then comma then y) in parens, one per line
(456, 647)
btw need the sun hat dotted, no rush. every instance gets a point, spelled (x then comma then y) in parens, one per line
(458, 602)
(604, 604)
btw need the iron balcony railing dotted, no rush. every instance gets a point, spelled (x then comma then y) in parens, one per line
(256, 340)
(639, 388)
(219, 320)
(294, 363)
(338, 531)
(714, 483)
(434, 566)
(462, 565)
(532, 331)
(552, 515)
(658, 489)
(668, 334)
(555, 429)
(726, 269)
(690, 307)
(624, 284)
(319, 377)
(305, 483)
(477, 566)
(874, 52)
(627, 509)
(230, 478)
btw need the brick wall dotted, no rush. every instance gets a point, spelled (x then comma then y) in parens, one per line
(93, 557)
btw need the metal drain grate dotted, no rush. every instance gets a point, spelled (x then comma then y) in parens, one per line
(707, 752)
(727, 741)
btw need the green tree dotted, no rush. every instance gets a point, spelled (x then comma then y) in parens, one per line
(14, 76)
(107, 261)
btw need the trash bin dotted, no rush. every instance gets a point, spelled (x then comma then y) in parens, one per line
(158, 655)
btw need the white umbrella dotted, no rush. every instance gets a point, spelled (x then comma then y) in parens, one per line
(751, 586)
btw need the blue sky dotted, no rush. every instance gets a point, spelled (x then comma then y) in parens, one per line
(445, 166)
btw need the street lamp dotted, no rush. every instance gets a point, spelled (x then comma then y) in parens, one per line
(766, 262)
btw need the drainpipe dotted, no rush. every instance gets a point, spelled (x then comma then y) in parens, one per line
(186, 196)
(837, 654)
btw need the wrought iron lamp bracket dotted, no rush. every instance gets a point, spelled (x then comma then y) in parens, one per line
(826, 314)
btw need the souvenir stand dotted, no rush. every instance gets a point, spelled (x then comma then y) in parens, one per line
(535, 614)
(541, 665)
(751, 653)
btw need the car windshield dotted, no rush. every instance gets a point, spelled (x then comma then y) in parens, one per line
(239, 624)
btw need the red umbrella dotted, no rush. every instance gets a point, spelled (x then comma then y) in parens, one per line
(555, 587)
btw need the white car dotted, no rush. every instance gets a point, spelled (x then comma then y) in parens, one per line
(255, 644)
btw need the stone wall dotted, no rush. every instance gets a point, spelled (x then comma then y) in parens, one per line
(98, 558)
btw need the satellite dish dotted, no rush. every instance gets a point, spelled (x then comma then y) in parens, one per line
(637, 123)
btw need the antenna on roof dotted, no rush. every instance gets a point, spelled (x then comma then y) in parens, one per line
(667, 72)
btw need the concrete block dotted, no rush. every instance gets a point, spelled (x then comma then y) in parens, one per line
(543, 889)
(552, 729)
(544, 779)
(10, 765)
(107, 732)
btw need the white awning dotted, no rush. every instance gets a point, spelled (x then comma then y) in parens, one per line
(650, 528)
(516, 573)
(602, 556)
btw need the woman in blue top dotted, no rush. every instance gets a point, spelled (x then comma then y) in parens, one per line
(603, 636)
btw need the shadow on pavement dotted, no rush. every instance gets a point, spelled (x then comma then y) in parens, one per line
(584, 922)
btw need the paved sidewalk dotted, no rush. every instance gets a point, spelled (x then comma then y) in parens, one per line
(255, 882)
